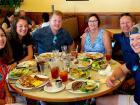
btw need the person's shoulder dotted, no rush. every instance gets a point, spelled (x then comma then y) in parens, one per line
(102, 29)
(28, 35)
(84, 35)
(63, 30)
(45, 24)
(117, 35)
(41, 30)
(9, 35)
(45, 29)
(105, 32)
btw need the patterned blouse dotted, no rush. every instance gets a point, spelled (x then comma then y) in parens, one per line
(97, 46)
(3, 74)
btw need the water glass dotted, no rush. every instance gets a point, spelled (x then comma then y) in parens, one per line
(42, 67)
(55, 53)
(64, 48)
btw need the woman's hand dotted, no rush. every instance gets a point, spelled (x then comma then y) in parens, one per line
(110, 81)
(9, 99)
(87, 29)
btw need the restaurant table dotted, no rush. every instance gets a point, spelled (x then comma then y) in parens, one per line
(65, 95)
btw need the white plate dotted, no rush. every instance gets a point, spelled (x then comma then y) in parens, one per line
(23, 71)
(69, 86)
(42, 76)
(28, 88)
(85, 67)
(28, 63)
(46, 55)
(79, 78)
(94, 54)
(53, 88)
(81, 64)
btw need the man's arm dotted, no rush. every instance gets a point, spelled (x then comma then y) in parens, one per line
(107, 43)
(121, 71)
(83, 37)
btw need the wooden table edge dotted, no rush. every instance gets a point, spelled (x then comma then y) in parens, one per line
(20, 91)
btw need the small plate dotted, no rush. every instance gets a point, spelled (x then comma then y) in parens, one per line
(69, 87)
(53, 88)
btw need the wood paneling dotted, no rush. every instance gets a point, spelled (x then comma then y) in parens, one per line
(108, 20)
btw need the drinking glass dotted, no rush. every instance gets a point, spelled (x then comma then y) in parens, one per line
(64, 51)
(108, 57)
(56, 53)
(55, 72)
(64, 48)
(63, 75)
(42, 67)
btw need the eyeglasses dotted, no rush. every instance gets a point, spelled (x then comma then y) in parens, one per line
(93, 21)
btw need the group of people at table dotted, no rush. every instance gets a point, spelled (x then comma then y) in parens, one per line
(16, 46)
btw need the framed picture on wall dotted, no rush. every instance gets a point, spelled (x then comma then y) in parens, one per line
(77, 0)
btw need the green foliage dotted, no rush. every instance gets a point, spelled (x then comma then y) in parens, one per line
(10, 3)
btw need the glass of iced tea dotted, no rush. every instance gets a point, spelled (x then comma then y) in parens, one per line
(55, 72)
(108, 57)
(63, 75)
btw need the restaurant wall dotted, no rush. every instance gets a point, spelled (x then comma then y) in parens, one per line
(82, 6)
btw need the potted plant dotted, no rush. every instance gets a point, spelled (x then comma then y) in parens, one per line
(10, 3)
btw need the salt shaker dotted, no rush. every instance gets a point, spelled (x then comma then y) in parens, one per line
(58, 83)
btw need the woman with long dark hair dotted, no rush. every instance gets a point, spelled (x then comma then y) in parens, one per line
(5, 58)
(20, 40)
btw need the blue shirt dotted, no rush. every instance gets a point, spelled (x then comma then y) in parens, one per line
(46, 41)
(97, 46)
(124, 42)
(135, 70)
